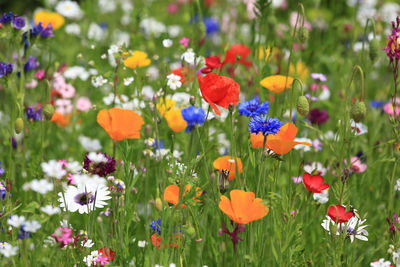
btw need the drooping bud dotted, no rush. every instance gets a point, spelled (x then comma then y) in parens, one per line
(19, 125)
(158, 204)
(373, 49)
(302, 106)
(303, 34)
(48, 111)
(358, 111)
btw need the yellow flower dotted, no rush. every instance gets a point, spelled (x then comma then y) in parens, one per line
(263, 54)
(46, 18)
(175, 120)
(276, 83)
(301, 71)
(165, 106)
(138, 59)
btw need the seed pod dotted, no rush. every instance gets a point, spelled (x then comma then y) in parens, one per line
(303, 34)
(373, 49)
(358, 111)
(19, 125)
(48, 111)
(302, 106)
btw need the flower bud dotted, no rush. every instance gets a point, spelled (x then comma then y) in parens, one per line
(48, 111)
(303, 34)
(19, 125)
(158, 204)
(190, 231)
(358, 111)
(302, 106)
(373, 49)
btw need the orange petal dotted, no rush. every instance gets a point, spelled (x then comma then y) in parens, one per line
(258, 210)
(171, 194)
(241, 205)
(226, 207)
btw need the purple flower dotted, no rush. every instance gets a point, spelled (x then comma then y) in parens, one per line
(318, 116)
(32, 114)
(393, 224)
(5, 68)
(6, 18)
(318, 76)
(103, 165)
(31, 64)
(18, 22)
(239, 228)
(393, 47)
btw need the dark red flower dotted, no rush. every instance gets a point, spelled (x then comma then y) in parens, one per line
(212, 62)
(238, 51)
(219, 90)
(338, 214)
(314, 183)
(318, 116)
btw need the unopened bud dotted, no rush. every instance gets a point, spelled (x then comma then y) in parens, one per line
(158, 204)
(192, 100)
(190, 231)
(358, 111)
(48, 111)
(373, 49)
(19, 125)
(302, 106)
(303, 34)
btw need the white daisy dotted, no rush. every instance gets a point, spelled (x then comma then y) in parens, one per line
(16, 221)
(128, 81)
(189, 56)
(8, 250)
(167, 43)
(69, 9)
(97, 157)
(98, 81)
(84, 199)
(32, 226)
(41, 186)
(89, 144)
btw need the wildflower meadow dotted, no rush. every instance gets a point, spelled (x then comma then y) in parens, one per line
(200, 133)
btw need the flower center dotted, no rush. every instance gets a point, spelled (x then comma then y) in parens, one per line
(84, 198)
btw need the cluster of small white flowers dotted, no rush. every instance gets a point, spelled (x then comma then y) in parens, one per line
(97, 157)
(42, 186)
(128, 81)
(29, 226)
(322, 197)
(151, 26)
(91, 259)
(96, 33)
(50, 210)
(174, 81)
(189, 56)
(75, 72)
(53, 169)
(89, 144)
(98, 81)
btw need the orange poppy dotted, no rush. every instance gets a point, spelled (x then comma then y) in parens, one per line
(60, 119)
(228, 163)
(120, 123)
(276, 83)
(171, 194)
(49, 18)
(243, 208)
(175, 120)
(281, 143)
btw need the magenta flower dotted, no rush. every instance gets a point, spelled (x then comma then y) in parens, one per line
(393, 46)
(318, 116)
(63, 235)
(184, 41)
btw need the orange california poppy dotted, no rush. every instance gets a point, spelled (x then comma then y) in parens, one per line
(175, 120)
(46, 18)
(171, 194)
(228, 163)
(137, 59)
(282, 142)
(243, 208)
(120, 123)
(276, 83)
(60, 119)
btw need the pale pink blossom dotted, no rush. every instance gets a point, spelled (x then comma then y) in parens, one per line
(32, 84)
(63, 106)
(83, 104)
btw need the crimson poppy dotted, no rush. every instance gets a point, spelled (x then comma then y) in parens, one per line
(212, 62)
(338, 214)
(237, 51)
(219, 90)
(314, 183)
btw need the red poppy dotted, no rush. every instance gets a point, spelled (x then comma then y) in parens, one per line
(107, 253)
(314, 183)
(237, 51)
(212, 62)
(220, 90)
(156, 240)
(183, 72)
(338, 214)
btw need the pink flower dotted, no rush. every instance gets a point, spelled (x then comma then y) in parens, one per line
(63, 235)
(184, 41)
(83, 104)
(293, 17)
(314, 86)
(40, 74)
(32, 84)
(67, 91)
(356, 165)
(389, 109)
(63, 106)
(172, 8)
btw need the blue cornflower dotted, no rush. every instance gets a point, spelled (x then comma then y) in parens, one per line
(22, 234)
(160, 145)
(265, 125)
(253, 108)
(211, 25)
(155, 225)
(376, 104)
(35, 31)
(193, 116)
